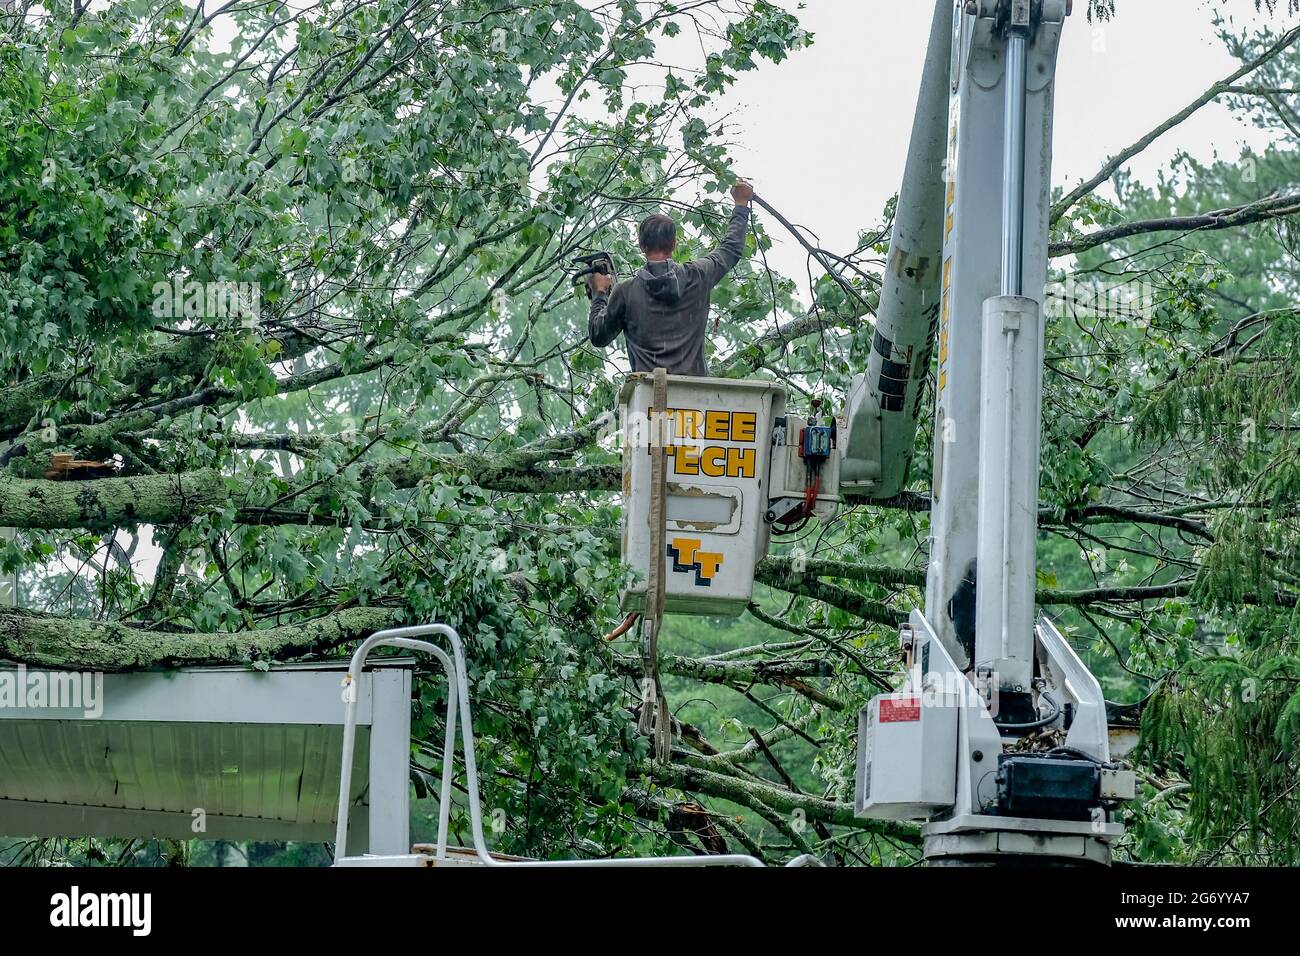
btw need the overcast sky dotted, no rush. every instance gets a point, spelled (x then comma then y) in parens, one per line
(824, 134)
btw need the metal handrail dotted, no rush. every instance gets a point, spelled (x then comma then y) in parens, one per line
(403, 638)
(458, 699)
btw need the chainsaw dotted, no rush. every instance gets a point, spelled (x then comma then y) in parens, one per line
(595, 263)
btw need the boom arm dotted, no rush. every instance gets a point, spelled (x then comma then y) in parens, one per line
(972, 212)
(1007, 696)
(884, 403)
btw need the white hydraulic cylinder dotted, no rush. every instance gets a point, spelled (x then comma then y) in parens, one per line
(994, 207)
(1010, 420)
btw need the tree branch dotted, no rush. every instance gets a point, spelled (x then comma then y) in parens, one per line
(1271, 207)
(715, 784)
(48, 640)
(1123, 156)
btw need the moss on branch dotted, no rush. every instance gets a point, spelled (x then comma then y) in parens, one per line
(48, 640)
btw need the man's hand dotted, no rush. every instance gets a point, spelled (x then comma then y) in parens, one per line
(742, 193)
(600, 283)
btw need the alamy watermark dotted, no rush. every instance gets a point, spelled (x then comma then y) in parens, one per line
(78, 908)
(220, 299)
(1095, 298)
(21, 689)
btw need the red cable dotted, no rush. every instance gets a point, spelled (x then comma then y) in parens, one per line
(810, 495)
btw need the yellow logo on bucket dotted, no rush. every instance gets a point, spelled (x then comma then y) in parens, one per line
(690, 452)
(687, 556)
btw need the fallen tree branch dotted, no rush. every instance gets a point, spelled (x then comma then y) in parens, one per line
(126, 502)
(696, 779)
(48, 640)
(777, 673)
(834, 595)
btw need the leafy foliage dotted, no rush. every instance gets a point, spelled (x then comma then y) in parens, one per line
(406, 419)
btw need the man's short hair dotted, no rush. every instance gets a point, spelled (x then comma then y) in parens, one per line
(658, 233)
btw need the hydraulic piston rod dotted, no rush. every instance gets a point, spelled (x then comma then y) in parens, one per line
(1010, 419)
(1013, 168)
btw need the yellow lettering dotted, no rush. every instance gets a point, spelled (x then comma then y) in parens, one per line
(740, 462)
(713, 462)
(943, 317)
(686, 549)
(744, 426)
(717, 425)
(709, 564)
(689, 422)
(687, 461)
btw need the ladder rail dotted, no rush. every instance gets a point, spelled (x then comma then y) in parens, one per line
(458, 700)
(403, 638)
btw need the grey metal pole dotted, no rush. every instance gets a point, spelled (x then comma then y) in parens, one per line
(1013, 169)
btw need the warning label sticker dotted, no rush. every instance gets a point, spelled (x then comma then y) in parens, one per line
(898, 709)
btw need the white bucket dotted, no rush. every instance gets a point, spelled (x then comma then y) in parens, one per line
(718, 452)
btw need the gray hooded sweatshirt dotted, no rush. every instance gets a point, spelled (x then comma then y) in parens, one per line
(663, 310)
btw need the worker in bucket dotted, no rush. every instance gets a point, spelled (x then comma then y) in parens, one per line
(663, 310)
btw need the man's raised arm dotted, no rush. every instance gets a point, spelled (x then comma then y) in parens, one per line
(724, 258)
(605, 321)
